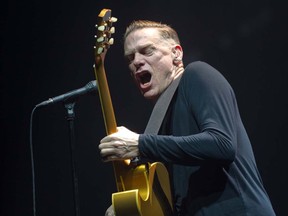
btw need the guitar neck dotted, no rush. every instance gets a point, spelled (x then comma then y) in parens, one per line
(105, 98)
(103, 42)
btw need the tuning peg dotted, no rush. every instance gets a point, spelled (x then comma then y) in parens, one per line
(111, 41)
(100, 39)
(100, 50)
(112, 30)
(101, 28)
(113, 19)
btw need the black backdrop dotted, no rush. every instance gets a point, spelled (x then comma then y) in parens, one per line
(47, 50)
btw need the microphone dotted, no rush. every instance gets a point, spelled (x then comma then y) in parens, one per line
(89, 87)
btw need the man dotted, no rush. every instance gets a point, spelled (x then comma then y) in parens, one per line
(202, 139)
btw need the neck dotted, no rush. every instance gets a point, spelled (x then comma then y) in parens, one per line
(179, 70)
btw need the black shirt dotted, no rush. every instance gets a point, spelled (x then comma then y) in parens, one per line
(205, 146)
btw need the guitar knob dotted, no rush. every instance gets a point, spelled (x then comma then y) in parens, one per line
(100, 50)
(111, 41)
(100, 39)
(113, 19)
(101, 28)
(112, 30)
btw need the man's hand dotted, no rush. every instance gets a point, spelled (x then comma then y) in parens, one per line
(120, 145)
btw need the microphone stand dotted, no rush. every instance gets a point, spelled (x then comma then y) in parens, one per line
(70, 118)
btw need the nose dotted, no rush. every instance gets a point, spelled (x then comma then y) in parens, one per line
(138, 60)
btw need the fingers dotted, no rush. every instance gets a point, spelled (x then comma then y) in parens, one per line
(120, 145)
(113, 150)
(120, 133)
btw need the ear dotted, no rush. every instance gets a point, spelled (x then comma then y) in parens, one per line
(177, 54)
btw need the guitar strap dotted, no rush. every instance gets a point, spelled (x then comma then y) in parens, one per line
(160, 108)
(153, 127)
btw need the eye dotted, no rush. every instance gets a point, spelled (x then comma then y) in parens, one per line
(148, 51)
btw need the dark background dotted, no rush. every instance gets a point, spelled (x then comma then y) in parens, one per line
(47, 50)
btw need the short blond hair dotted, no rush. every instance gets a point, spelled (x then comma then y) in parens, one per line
(166, 32)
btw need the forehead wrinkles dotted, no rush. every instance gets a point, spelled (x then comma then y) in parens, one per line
(142, 38)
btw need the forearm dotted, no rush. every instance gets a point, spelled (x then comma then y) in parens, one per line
(205, 146)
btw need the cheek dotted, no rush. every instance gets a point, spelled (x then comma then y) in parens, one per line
(165, 62)
(164, 69)
(131, 67)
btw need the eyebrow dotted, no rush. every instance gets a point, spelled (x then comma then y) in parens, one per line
(140, 47)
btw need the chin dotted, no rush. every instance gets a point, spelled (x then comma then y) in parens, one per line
(150, 96)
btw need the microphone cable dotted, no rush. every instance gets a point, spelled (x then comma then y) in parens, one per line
(88, 88)
(32, 162)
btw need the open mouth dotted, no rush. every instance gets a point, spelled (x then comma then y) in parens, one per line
(144, 78)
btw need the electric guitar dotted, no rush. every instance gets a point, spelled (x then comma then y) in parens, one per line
(143, 190)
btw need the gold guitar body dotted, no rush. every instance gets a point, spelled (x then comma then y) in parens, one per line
(142, 189)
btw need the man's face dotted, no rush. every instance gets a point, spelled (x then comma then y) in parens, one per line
(150, 59)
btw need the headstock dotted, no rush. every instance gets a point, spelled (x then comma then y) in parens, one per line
(104, 32)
